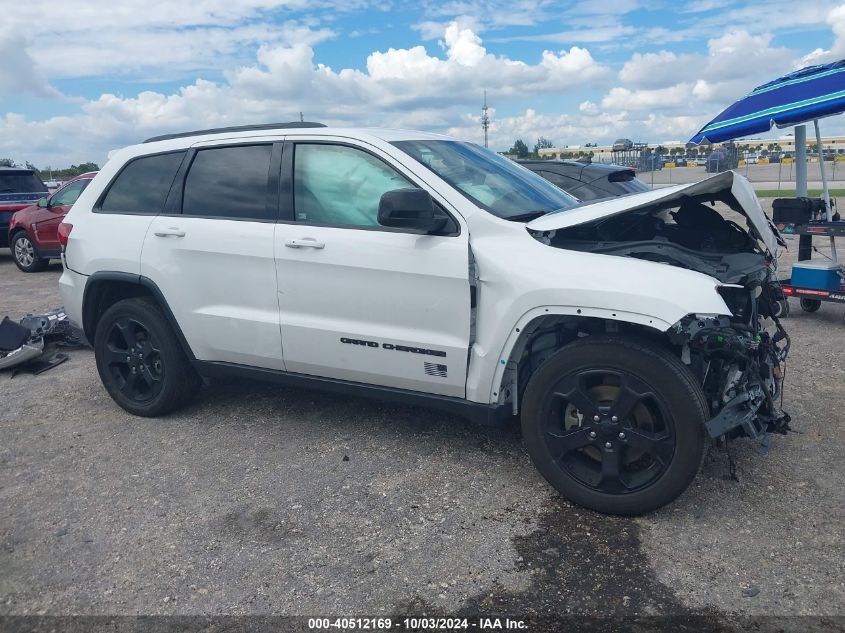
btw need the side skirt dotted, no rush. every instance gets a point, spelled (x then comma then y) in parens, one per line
(484, 414)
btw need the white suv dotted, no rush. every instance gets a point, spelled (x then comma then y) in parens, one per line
(419, 268)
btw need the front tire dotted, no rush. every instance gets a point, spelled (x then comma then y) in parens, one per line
(26, 255)
(615, 424)
(140, 360)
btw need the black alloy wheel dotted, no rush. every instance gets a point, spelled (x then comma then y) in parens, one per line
(140, 359)
(608, 430)
(615, 424)
(134, 360)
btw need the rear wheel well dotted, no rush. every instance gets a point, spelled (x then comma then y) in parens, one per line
(100, 295)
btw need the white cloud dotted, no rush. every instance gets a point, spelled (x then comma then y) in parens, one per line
(398, 87)
(463, 46)
(624, 99)
(482, 14)
(79, 38)
(836, 20)
(588, 107)
(736, 55)
(19, 72)
(656, 69)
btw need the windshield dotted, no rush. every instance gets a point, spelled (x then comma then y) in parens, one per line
(21, 182)
(491, 181)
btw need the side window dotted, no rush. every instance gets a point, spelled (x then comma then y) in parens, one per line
(69, 194)
(229, 182)
(588, 192)
(559, 180)
(142, 186)
(335, 184)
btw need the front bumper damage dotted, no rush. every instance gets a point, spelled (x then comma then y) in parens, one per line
(740, 367)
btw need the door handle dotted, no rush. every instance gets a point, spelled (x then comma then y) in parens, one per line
(305, 242)
(171, 232)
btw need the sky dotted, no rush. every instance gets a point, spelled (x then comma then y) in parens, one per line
(80, 78)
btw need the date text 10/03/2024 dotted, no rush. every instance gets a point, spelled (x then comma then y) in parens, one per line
(417, 624)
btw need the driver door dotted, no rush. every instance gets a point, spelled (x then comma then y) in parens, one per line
(359, 301)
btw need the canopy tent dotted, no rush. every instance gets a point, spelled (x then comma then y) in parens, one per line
(804, 95)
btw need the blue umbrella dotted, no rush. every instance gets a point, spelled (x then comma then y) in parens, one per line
(807, 94)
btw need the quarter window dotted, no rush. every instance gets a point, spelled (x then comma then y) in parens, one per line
(142, 186)
(340, 185)
(229, 182)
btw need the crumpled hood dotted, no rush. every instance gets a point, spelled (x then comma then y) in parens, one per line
(719, 183)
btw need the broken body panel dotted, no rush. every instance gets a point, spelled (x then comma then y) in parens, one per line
(738, 358)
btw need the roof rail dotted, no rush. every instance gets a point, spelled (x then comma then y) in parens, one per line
(236, 128)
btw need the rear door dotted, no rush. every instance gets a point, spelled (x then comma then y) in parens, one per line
(211, 253)
(358, 301)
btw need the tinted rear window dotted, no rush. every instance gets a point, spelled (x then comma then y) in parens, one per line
(229, 182)
(142, 186)
(21, 182)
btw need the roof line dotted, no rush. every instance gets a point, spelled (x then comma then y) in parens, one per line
(237, 128)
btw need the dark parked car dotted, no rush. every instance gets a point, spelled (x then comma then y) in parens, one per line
(588, 181)
(721, 160)
(19, 188)
(33, 231)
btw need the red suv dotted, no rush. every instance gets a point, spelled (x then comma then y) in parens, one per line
(33, 231)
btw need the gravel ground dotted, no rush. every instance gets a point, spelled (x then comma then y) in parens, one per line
(261, 499)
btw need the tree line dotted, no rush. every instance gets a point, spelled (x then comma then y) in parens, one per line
(520, 149)
(48, 173)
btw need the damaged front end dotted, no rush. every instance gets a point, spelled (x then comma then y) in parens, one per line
(740, 367)
(715, 227)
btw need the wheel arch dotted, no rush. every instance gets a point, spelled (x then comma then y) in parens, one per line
(14, 230)
(555, 326)
(105, 288)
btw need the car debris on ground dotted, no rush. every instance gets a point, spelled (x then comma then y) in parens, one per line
(24, 344)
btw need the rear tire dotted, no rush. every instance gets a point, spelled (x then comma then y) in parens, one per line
(140, 360)
(810, 305)
(26, 254)
(615, 424)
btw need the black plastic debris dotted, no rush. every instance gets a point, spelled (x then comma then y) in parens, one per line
(22, 345)
(12, 335)
(40, 365)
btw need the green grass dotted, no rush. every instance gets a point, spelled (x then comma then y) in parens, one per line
(788, 193)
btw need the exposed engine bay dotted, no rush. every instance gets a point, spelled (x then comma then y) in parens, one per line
(739, 359)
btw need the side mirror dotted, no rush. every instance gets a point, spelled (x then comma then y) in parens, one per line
(42, 203)
(411, 209)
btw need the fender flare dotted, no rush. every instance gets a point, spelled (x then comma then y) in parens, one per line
(90, 296)
(517, 330)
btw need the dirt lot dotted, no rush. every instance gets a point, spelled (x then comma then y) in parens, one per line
(262, 499)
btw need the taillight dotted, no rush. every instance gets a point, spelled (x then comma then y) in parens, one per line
(64, 232)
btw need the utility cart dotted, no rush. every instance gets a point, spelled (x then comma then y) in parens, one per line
(814, 281)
